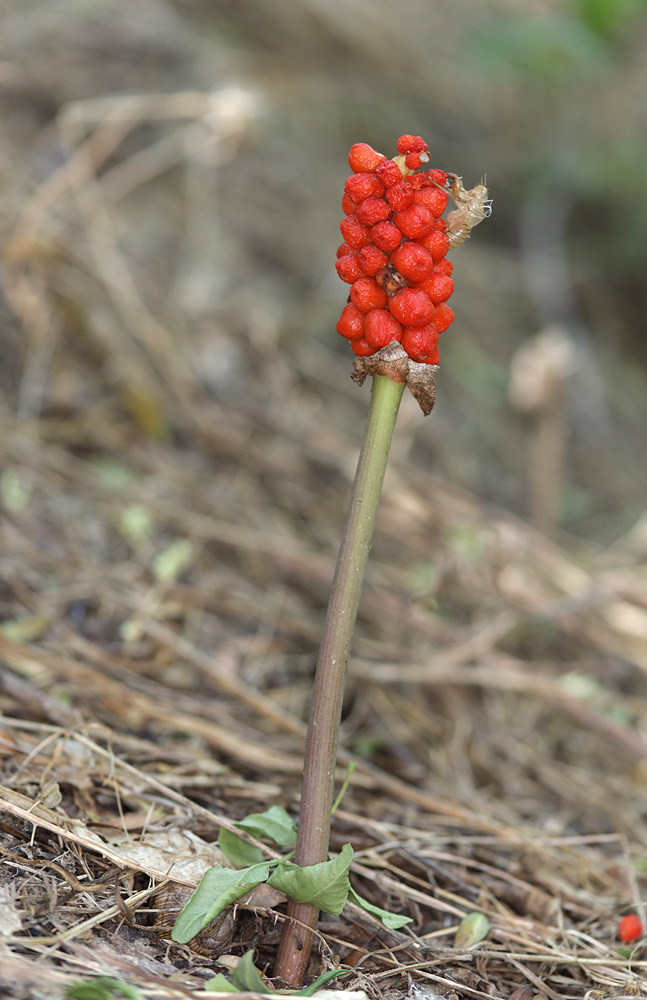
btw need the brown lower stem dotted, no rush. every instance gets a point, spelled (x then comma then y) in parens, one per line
(328, 692)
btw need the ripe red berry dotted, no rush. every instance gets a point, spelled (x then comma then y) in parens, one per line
(343, 248)
(630, 928)
(414, 221)
(348, 205)
(411, 307)
(443, 316)
(433, 359)
(371, 260)
(386, 236)
(348, 268)
(432, 198)
(363, 158)
(415, 160)
(351, 322)
(389, 173)
(366, 294)
(361, 186)
(420, 341)
(400, 195)
(412, 261)
(380, 328)
(362, 348)
(372, 211)
(436, 243)
(411, 144)
(355, 234)
(438, 287)
(437, 176)
(443, 266)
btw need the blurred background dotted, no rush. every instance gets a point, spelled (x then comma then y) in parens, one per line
(170, 180)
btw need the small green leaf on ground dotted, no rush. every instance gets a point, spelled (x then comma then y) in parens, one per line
(472, 929)
(247, 977)
(324, 978)
(237, 850)
(275, 824)
(173, 561)
(218, 888)
(103, 988)
(325, 886)
(220, 984)
(391, 920)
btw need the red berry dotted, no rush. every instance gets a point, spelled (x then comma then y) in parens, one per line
(361, 186)
(372, 211)
(420, 341)
(389, 173)
(411, 307)
(432, 198)
(386, 236)
(343, 248)
(412, 261)
(362, 348)
(415, 160)
(436, 243)
(411, 144)
(363, 158)
(438, 287)
(400, 195)
(433, 359)
(366, 294)
(380, 328)
(348, 205)
(438, 176)
(371, 260)
(440, 224)
(443, 266)
(414, 221)
(348, 268)
(443, 317)
(351, 322)
(353, 232)
(630, 928)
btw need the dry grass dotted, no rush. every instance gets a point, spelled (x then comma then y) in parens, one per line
(176, 458)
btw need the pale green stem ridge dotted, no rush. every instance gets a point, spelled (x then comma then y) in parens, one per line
(328, 692)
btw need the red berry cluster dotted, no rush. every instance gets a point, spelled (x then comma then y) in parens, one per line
(393, 254)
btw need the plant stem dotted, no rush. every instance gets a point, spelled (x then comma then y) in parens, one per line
(328, 692)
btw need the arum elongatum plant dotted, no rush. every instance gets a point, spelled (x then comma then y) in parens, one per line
(394, 258)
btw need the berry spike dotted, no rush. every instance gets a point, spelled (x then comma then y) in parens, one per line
(394, 251)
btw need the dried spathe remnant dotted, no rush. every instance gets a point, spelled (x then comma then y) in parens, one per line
(394, 362)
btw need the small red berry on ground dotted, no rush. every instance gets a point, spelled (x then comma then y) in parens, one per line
(630, 928)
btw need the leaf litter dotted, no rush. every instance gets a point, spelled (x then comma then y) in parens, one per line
(166, 554)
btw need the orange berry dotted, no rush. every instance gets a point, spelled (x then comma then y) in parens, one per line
(363, 159)
(630, 928)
